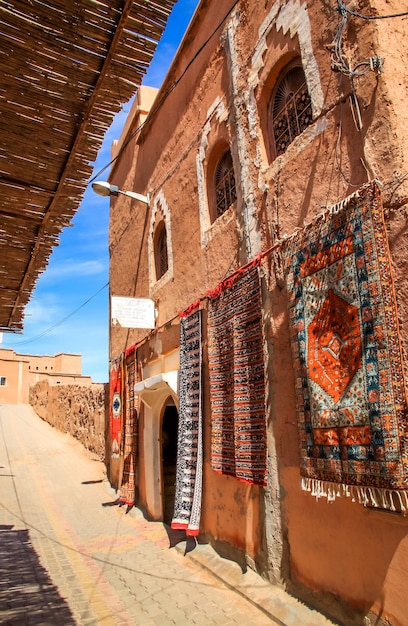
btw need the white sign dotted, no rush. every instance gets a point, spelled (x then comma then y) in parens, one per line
(132, 312)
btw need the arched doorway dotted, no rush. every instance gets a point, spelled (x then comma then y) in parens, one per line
(169, 434)
(159, 396)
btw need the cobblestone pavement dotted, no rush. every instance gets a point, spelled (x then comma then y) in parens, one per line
(67, 558)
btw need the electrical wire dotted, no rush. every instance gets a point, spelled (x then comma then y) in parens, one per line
(371, 17)
(339, 61)
(138, 129)
(337, 151)
(158, 106)
(51, 328)
(374, 64)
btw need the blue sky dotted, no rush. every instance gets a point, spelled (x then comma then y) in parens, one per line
(68, 311)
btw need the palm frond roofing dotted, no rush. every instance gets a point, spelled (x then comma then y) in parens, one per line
(66, 67)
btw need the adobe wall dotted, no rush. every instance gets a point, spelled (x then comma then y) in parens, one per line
(23, 370)
(344, 554)
(74, 409)
(340, 556)
(14, 368)
(57, 379)
(56, 364)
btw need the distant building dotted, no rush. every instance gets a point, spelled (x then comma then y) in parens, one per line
(19, 371)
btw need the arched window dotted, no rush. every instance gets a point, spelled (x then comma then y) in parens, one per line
(290, 108)
(160, 250)
(224, 183)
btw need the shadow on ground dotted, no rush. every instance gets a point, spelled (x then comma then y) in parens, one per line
(27, 594)
(180, 536)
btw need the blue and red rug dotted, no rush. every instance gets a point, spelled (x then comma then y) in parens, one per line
(351, 400)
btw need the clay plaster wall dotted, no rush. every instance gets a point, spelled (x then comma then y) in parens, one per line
(23, 370)
(59, 363)
(335, 547)
(339, 556)
(14, 371)
(74, 409)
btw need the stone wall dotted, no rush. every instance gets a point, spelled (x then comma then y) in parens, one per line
(74, 409)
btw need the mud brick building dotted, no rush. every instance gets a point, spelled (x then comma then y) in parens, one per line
(271, 390)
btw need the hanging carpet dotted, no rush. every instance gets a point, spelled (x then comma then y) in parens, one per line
(187, 507)
(127, 488)
(351, 402)
(236, 363)
(115, 406)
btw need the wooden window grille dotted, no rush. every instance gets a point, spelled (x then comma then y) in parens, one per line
(225, 188)
(160, 252)
(291, 108)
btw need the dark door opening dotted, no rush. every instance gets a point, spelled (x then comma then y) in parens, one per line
(169, 460)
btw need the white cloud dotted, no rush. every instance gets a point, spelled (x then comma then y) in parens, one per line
(40, 312)
(69, 267)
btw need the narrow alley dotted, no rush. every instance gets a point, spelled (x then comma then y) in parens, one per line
(67, 557)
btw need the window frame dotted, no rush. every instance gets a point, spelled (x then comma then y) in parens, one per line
(159, 213)
(220, 152)
(288, 108)
(160, 250)
(225, 186)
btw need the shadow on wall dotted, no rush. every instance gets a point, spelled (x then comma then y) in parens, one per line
(347, 553)
(26, 589)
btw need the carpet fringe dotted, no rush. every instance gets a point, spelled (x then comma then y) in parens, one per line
(389, 499)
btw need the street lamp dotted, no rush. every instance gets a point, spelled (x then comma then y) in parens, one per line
(103, 188)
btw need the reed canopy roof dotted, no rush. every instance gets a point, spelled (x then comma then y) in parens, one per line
(66, 68)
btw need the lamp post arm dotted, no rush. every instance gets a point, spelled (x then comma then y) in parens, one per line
(103, 188)
(135, 196)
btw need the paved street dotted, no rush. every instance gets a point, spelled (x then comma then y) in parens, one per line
(68, 558)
